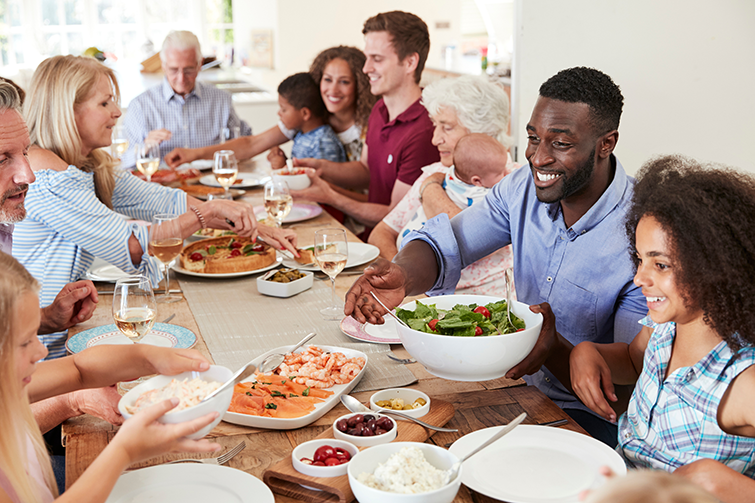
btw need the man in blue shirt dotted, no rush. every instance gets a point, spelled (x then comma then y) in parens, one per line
(564, 217)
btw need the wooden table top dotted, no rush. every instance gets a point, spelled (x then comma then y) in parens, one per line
(478, 404)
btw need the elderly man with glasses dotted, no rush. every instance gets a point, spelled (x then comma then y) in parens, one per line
(180, 112)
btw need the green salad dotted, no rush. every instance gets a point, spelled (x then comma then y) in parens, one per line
(462, 320)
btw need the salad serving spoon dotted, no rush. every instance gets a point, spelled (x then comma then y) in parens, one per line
(240, 375)
(355, 405)
(389, 311)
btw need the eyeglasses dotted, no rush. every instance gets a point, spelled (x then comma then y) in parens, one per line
(187, 72)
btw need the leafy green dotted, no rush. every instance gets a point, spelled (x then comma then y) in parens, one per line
(461, 320)
(211, 250)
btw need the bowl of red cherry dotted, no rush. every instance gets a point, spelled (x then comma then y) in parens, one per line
(365, 430)
(323, 457)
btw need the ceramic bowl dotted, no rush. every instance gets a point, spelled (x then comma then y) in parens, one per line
(408, 395)
(365, 441)
(367, 460)
(275, 289)
(307, 450)
(294, 181)
(471, 358)
(219, 403)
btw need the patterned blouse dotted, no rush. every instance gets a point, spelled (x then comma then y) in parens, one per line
(672, 421)
(66, 226)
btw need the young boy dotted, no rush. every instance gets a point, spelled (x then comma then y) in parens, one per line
(302, 109)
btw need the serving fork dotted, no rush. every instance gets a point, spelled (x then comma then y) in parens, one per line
(220, 460)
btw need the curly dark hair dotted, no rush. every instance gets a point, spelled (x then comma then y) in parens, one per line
(592, 87)
(707, 211)
(355, 59)
(301, 91)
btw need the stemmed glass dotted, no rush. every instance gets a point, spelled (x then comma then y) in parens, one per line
(331, 254)
(134, 312)
(165, 243)
(147, 158)
(230, 133)
(278, 201)
(226, 169)
(120, 143)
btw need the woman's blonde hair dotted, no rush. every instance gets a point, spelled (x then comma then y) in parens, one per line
(15, 413)
(650, 486)
(59, 85)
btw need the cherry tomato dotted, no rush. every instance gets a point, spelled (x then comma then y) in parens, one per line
(324, 452)
(332, 462)
(520, 330)
(432, 324)
(236, 244)
(196, 257)
(235, 252)
(477, 331)
(258, 247)
(341, 452)
(483, 311)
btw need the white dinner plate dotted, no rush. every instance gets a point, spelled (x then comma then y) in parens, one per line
(299, 213)
(189, 483)
(535, 464)
(200, 164)
(359, 253)
(162, 334)
(243, 181)
(103, 271)
(180, 269)
(322, 408)
(367, 332)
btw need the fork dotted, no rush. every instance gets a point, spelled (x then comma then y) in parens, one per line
(220, 460)
(405, 361)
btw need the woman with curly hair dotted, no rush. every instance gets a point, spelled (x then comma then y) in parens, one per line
(690, 229)
(345, 90)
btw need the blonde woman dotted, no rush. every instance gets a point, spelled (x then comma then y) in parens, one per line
(71, 108)
(25, 471)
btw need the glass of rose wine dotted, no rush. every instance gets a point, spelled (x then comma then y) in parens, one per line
(165, 243)
(226, 169)
(147, 158)
(331, 254)
(120, 143)
(278, 201)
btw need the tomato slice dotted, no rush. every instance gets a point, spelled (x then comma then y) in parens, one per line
(432, 324)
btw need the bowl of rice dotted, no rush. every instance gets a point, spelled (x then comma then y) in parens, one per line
(403, 472)
(190, 388)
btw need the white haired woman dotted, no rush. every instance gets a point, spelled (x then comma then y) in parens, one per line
(71, 208)
(458, 107)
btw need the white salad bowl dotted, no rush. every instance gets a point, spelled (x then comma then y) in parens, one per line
(307, 450)
(219, 403)
(471, 358)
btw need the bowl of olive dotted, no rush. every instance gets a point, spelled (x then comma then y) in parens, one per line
(284, 282)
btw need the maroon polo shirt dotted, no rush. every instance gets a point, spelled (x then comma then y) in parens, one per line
(399, 149)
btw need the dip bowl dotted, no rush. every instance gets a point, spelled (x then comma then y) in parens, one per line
(219, 403)
(408, 395)
(370, 441)
(307, 450)
(470, 358)
(295, 181)
(368, 459)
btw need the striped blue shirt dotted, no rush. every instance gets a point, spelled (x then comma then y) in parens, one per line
(66, 226)
(195, 120)
(672, 421)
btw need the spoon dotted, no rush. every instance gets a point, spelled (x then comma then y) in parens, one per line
(508, 273)
(242, 374)
(272, 362)
(454, 470)
(355, 405)
(389, 311)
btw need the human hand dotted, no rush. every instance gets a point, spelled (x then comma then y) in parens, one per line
(158, 136)
(591, 379)
(172, 361)
(219, 211)
(98, 402)
(279, 238)
(387, 280)
(179, 156)
(277, 158)
(143, 437)
(606, 472)
(319, 190)
(74, 303)
(546, 341)
(307, 162)
(434, 178)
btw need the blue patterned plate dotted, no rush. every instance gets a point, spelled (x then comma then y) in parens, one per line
(162, 334)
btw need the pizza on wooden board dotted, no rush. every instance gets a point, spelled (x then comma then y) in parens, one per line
(228, 254)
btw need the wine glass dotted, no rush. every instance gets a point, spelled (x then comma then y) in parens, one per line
(165, 243)
(331, 254)
(278, 201)
(147, 158)
(120, 143)
(230, 133)
(134, 312)
(226, 169)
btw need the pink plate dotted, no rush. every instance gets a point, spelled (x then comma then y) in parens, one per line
(379, 334)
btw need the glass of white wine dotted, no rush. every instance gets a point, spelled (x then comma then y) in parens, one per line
(331, 254)
(226, 169)
(120, 143)
(134, 312)
(165, 243)
(278, 201)
(147, 158)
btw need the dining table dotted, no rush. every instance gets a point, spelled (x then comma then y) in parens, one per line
(219, 328)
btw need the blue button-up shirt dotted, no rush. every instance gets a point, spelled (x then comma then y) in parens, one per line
(195, 120)
(584, 272)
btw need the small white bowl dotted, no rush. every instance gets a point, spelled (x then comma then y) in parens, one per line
(407, 394)
(366, 441)
(295, 182)
(219, 403)
(307, 450)
(367, 460)
(275, 289)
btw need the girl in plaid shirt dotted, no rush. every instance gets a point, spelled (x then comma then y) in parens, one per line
(692, 410)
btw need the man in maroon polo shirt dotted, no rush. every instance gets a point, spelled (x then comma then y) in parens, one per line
(399, 132)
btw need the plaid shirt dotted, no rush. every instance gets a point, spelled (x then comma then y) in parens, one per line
(195, 120)
(320, 143)
(672, 421)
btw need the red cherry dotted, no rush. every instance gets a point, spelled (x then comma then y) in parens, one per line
(195, 257)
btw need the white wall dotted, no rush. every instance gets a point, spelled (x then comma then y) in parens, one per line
(686, 69)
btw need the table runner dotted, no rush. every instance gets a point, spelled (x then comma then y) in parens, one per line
(238, 324)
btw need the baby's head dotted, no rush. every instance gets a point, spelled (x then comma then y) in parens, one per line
(480, 160)
(646, 486)
(300, 101)
(690, 230)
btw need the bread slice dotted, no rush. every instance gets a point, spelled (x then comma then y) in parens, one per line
(306, 256)
(228, 254)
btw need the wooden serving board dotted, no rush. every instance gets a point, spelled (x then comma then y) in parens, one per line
(283, 479)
